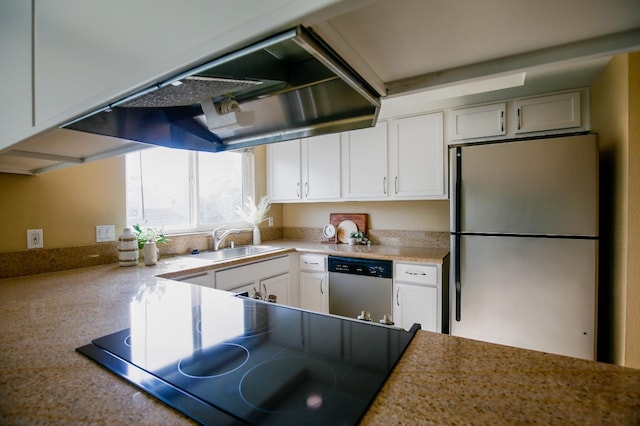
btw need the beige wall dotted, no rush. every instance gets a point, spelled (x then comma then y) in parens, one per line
(632, 334)
(384, 215)
(616, 118)
(66, 204)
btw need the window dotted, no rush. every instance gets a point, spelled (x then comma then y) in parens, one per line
(184, 191)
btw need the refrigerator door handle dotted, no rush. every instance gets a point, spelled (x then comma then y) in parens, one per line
(456, 210)
(456, 274)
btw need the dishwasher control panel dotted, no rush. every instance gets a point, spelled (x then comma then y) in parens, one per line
(366, 267)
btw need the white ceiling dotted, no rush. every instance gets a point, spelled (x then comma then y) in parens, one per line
(419, 47)
(409, 45)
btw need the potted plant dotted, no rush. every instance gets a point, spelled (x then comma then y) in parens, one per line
(148, 238)
(357, 237)
(254, 215)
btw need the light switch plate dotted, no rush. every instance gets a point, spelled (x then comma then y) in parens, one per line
(105, 233)
(34, 238)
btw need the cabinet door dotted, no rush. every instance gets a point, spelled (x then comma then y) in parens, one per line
(278, 286)
(251, 289)
(314, 294)
(418, 157)
(560, 111)
(478, 122)
(365, 163)
(15, 85)
(283, 171)
(416, 304)
(321, 167)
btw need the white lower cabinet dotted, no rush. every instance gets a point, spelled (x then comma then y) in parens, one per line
(277, 286)
(416, 304)
(314, 283)
(417, 290)
(268, 277)
(314, 291)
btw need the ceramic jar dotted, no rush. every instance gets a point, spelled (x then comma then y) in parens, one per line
(127, 248)
(256, 236)
(151, 253)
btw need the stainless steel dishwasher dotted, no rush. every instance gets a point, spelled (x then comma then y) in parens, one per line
(361, 288)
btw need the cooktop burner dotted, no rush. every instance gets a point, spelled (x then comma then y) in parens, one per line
(213, 362)
(295, 384)
(223, 359)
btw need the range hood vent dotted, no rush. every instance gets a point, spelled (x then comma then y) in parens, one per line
(288, 86)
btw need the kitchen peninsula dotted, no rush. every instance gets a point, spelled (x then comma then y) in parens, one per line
(439, 380)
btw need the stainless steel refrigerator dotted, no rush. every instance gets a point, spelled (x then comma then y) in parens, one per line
(524, 240)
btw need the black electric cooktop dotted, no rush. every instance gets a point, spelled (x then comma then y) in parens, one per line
(225, 359)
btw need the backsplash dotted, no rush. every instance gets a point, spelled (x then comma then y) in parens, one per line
(30, 262)
(378, 237)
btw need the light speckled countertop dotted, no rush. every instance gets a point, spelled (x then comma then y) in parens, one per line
(405, 254)
(440, 379)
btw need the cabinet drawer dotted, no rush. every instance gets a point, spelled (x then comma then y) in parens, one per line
(313, 262)
(418, 274)
(236, 277)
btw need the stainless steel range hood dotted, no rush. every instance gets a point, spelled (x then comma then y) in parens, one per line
(288, 86)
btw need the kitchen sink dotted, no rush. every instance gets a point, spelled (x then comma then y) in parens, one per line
(235, 252)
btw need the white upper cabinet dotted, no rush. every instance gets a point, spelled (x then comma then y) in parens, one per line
(304, 170)
(15, 85)
(283, 171)
(416, 157)
(556, 114)
(478, 122)
(561, 111)
(321, 167)
(364, 157)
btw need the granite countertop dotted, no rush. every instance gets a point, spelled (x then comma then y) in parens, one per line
(440, 380)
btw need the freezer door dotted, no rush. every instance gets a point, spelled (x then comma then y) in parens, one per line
(545, 187)
(532, 293)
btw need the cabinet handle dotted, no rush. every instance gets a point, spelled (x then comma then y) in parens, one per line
(395, 185)
(502, 121)
(298, 190)
(398, 297)
(415, 273)
(321, 283)
(519, 120)
(311, 263)
(384, 185)
(306, 189)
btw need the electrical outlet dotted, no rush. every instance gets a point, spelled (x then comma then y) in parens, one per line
(34, 238)
(105, 233)
(270, 219)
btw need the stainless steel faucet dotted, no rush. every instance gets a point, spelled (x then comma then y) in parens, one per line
(217, 240)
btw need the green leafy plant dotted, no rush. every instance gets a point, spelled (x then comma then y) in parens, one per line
(360, 237)
(149, 234)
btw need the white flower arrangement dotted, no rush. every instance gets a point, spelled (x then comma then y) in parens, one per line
(252, 213)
